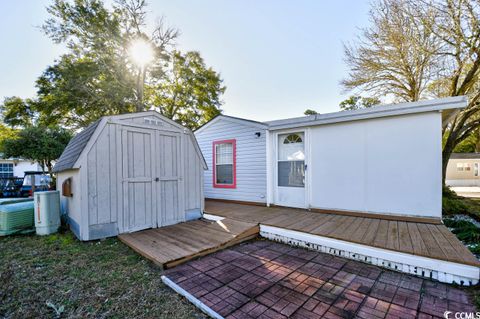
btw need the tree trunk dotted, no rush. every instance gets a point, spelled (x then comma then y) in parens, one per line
(140, 89)
(447, 151)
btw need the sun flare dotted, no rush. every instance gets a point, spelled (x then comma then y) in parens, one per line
(141, 52)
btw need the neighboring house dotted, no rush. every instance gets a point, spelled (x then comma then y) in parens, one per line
(130, 172)
(10, 167)
(382, 160)
(463, 169)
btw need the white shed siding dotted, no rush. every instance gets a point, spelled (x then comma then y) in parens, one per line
(71, 206)
(250, 160)
(109, 166)
(390, 165)
(193, 173)
(102, 178)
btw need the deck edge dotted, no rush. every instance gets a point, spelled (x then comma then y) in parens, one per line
(444, 271)
(194, 300)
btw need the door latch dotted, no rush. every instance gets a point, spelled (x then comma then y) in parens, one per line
(157, 179)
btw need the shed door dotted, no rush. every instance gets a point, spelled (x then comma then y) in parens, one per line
(138, 179)
(168, 162)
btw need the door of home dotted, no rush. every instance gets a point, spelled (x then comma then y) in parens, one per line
(138, 179)
(290, 170)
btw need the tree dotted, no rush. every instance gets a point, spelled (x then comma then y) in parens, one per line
(468, 145)
(419, 49)
(6, 132)
(98, 76)
(394, 56)
(189, 92)
(37, 143)
(310, 112)
(356, 102)
(17, 112)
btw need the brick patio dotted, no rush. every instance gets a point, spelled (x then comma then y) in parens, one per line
(264, 279)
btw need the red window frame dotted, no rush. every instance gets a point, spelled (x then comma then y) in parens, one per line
(214, 166)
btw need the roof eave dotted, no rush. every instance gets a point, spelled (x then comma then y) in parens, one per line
(440, 105)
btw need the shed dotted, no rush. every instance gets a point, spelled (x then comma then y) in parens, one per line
(129, 172)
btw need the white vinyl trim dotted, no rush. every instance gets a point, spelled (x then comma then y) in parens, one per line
(212, 217)
(274, 163)
(379, 111)
(440, 270)
(269, 172)
(443, 271)
(196, 302)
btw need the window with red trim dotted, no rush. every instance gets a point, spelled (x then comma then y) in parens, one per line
(224, 164)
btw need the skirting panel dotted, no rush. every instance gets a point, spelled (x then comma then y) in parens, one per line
(443, 271)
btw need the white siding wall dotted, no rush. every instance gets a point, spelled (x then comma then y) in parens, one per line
(97, 204)
(251, 160)
(71, 206)
(193, 172)
(102, 175)
(23, 166)
(390, 165)
(462, 178)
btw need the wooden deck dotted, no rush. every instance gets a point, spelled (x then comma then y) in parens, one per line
(172, 245)
(416, 238)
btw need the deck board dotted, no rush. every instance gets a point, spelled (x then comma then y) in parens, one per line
(413, 237)
(171, 245)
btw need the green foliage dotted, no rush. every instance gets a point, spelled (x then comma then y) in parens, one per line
(465, 230)
(356, 102)
(6, 132)
(189, 92)
(452, 206)
(37, 143)
(78, 90)
(470, 144)
(98, 77)
(310, 112)
(17, 112)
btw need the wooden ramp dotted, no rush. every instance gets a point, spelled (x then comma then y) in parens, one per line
(172, 245)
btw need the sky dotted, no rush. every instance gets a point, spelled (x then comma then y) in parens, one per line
(277, 58)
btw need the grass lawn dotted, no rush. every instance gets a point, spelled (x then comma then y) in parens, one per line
(94, 279)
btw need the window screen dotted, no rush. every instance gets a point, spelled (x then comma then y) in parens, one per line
(291, 173)
(224, 163)
(291, 160)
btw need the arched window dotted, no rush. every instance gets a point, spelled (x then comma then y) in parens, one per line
(292, 138)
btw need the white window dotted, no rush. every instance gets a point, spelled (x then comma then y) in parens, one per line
(224, 164)
(461, 167)
(6, 170)
(291, 160)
